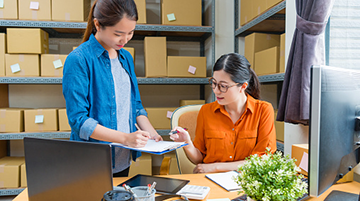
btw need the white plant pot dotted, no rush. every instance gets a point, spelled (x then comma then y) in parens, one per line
(249, 199)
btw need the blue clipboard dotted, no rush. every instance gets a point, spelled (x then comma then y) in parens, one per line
(161, 147)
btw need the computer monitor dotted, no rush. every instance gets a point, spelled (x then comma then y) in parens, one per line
(334, 106)
(61, 170)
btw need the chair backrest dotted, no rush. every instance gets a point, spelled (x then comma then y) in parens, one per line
(186, 117)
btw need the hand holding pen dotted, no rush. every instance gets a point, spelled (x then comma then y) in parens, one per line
(138, 138)
(179, 134)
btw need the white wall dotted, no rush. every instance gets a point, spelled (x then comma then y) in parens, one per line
(293, 134)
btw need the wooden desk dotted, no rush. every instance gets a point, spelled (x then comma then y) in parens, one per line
(218, 192)
(195, 179)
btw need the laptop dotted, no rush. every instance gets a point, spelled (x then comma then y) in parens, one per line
(61, 170)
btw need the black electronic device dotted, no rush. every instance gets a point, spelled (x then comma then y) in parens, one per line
(333, 137)
(163, 185)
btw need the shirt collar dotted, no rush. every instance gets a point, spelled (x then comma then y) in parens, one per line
(99, 49)
(250, 104)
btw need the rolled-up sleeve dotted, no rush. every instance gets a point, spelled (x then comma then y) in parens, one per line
(76, 90)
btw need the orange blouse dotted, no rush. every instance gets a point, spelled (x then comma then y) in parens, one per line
(220, 140)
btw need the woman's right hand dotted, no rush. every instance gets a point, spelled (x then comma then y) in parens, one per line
(137, 139)
(181, 136)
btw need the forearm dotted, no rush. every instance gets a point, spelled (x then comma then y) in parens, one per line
(105, 134)
(193, 154)
(228, 166)
(145, 125)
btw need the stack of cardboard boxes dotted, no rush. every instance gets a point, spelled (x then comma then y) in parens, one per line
(12, 174)
(266, 53)
(158, 64)
(14, 120)
(56, 10)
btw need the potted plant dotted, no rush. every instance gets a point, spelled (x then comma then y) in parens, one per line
(270, 177)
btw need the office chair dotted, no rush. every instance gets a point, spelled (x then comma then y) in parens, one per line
(186, 117)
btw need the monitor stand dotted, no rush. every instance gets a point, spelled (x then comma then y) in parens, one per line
(340, 195)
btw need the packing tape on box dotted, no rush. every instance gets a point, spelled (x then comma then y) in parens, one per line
(22, 72)
(21, 58)
(67, 16)
(2, 185)
(2, 128)
(2, 113)
(1, 14)
(2, 168)
(34, 15)
(57, 72)
(56, 57)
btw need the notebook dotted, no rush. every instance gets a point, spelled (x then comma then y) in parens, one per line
(59, 170)
(225, 180)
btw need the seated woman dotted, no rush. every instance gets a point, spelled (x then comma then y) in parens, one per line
(234, 126)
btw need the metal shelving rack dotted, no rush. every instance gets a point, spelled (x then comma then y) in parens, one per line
(75, 29)
(264, 23)
(258, 24)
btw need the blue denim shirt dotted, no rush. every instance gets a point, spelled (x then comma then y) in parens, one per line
(88, 88)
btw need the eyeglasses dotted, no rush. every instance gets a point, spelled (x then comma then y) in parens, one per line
(222, 87)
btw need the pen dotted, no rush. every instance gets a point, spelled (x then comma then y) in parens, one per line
(152, 187)
(137, 126)
(127, 188)
(175, 131)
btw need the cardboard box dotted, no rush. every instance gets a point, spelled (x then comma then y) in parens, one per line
(52, 65)
(184, 12)
(142, 165)
(246, 11)
(38, 120)
(35, 10)
(11, 120)
(23, 180)
(186, 66)
(272, 3)
(267, 61)
(27, 41)
(279, 127)
(10, 171)
(9, 10)
(160, 116)
(2, 54)
(191, 102)
(155, 56)
(78, 11)
(282, 54)
(63, 121)
(257, 42)
(22, 65)
(131, 50)
(297, 152)
(259, 7)
(141, 8)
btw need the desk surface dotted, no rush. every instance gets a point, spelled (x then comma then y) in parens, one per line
(218, 192)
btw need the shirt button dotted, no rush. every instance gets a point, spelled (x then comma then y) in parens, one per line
(231, 143)
(233, 129)
(230, 156)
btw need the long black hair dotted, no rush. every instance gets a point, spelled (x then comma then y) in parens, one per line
(238, 67)
(109, 13)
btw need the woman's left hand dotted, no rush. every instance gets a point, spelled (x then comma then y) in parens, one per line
(205, 168)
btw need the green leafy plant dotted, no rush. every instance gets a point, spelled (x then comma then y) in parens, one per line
(271, 177)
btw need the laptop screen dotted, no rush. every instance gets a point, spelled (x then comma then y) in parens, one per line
(61, 170)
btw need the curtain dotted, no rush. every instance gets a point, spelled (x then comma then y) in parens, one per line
(307, 49)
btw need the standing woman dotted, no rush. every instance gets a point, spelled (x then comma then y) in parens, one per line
(100, 86)
(235, 126)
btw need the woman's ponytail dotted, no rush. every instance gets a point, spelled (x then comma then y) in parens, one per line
(90, 28)
(253, 88)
